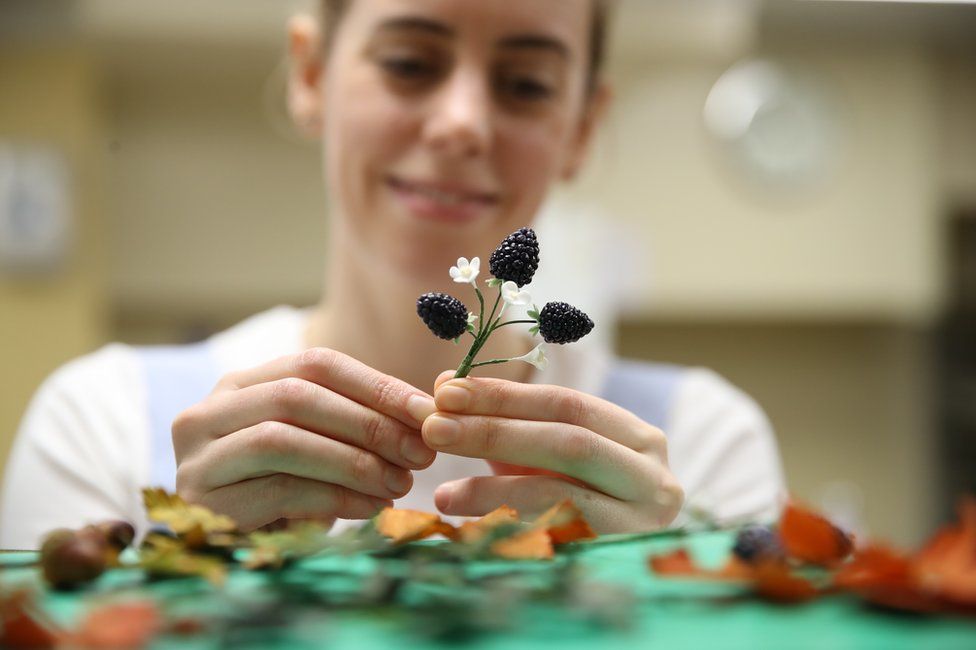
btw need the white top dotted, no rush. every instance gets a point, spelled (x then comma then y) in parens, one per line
(82, 450)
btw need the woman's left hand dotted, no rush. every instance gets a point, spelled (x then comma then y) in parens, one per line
(549, 443)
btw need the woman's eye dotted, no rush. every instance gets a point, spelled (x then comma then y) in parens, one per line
(408, 68)
(527, 89)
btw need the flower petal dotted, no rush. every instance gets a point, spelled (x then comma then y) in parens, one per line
(462, 262)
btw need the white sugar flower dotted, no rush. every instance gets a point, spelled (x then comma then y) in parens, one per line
(537, 357)
(466, 271)
(512, 295)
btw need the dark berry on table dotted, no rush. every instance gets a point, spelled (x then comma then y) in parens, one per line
(516, 258)
(755, 543)
(445, 315)
(560, 322)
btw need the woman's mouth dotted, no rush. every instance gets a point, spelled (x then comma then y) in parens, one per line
(441, 201)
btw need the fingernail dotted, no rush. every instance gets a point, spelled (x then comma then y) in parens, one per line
(415, 451)
(398, 481)
(452, 398)
(420, 408)
(441, 431)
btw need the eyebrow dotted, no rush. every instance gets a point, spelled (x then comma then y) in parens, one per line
(519, 41)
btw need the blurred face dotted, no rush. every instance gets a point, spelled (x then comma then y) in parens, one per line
(445, 122)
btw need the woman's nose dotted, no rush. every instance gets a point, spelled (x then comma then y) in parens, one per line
(459, 124)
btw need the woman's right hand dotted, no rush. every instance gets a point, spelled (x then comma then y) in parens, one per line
(315, 435)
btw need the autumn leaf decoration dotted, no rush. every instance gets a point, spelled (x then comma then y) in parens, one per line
(941, 577)
(506, 535)
(807, 539)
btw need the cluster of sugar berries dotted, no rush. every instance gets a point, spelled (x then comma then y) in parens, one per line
(513, 264)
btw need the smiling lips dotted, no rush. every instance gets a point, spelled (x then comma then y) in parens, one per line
(441, 201)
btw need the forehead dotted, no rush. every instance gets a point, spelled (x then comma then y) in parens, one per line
(486, 20)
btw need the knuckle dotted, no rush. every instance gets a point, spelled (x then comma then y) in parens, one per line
(276, 489)
(287, 394)
(230, 381)
(372, 428)
(186, 421)
(315, 360)
(579, 446)
(186, 484)
(342, 500)
(570, 405)
(491, 436)
(271, 439)
(655, 440)
(491, 395)
(362, 468)
(385, 392)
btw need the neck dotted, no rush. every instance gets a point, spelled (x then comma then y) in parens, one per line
(368, 312)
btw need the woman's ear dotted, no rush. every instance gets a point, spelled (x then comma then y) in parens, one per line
(595, 110)
(305, 74)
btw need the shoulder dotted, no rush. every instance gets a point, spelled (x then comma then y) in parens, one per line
(108, 377)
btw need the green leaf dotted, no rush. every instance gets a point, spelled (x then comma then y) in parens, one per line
(457, 340)
(534, 330)
(533, 314)
(494, 282)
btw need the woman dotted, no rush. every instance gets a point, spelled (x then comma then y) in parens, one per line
(444, 124)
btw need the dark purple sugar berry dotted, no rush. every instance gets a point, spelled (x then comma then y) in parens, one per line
(562, 323)
(516, 258)
(755, 543)
(445, 315)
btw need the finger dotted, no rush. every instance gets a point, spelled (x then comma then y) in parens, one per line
(447, 375)
(305, 405)
(531, 496)
(564, 448)
(260, 501)
(509, 399)
(278, 448)
(345, 375)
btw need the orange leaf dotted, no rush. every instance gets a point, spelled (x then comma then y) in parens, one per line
(679, 563)
(22, 628)
(675, 563)
(532, 544)
(472, 531)
(123, 625)
(403, 526)
(875, 567)
(565, 523)
(773, 581)
(946, 566)
(811, 538)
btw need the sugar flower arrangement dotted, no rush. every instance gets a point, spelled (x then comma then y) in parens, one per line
(512, 264)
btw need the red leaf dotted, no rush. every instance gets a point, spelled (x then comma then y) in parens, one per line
(565, 523)
(675, 563)
(946, 566)
(22, 628)
(122, 625)
(811, 538)
(773, 581)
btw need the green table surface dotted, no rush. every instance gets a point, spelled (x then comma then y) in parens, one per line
(666, 613)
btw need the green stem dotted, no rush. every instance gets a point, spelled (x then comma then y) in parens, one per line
(512, 322)
(489, 363)
(481, 313)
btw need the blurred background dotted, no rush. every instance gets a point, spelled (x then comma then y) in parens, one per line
(796, 179)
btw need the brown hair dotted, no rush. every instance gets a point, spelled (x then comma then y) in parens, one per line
(332, 11)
